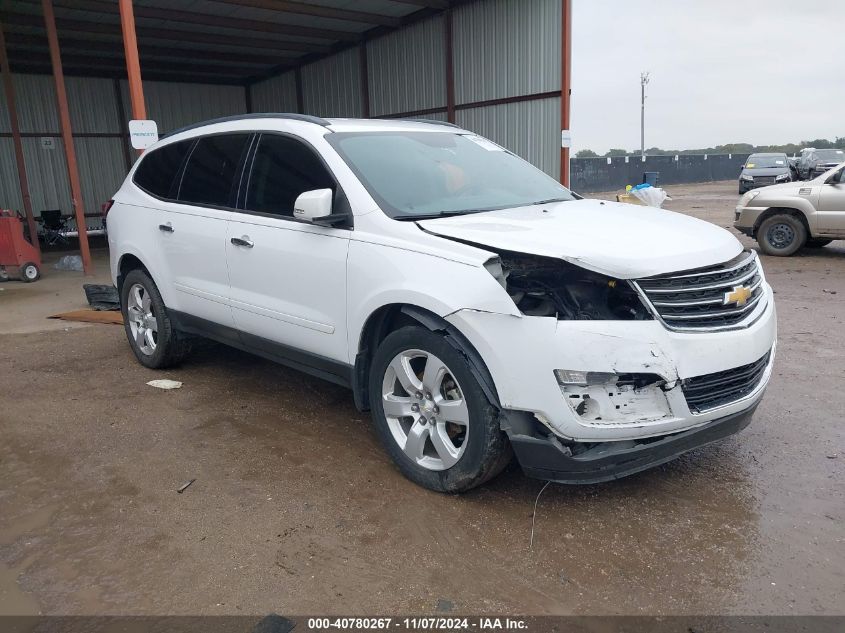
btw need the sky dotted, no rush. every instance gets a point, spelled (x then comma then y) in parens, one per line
(739, 71)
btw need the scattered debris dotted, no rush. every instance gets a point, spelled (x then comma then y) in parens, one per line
(90, 316)
(165, 383)
(534, 514)
(830, 292)
(101, 296)
(184, 486)
(69, 262)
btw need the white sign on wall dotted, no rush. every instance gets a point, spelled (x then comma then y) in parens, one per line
(565, 138)
(142, 133)
(48, 142)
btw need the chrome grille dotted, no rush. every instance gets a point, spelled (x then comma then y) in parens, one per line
(723, 387)
(701, 299)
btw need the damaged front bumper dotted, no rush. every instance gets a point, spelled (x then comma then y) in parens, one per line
(593, 382)
(547, 458)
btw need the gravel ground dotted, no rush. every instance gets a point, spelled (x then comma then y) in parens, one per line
(296, 508)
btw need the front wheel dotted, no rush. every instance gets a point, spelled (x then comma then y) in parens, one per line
(781, 235)
(431, 414)
(154, 340)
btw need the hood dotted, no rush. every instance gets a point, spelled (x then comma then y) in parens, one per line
(766, 171)
(621, 240)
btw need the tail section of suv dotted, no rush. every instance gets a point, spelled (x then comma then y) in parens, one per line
(474, 305)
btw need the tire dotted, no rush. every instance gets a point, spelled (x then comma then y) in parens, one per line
(817, 242)
(742, 191)
(143, 310)
(464, 447)
(781, 235)
(30, 272)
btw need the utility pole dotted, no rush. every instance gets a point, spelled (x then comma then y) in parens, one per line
(643, 82)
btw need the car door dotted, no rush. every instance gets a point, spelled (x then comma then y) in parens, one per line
(830, 214)
(287, 277)
(193, 228)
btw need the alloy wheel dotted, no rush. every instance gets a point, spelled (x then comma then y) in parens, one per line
(425, 409)
(142, 321)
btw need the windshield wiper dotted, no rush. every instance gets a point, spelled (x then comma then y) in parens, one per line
(439, 214)
(549, 201)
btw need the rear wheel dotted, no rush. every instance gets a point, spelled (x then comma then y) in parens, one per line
(432, 415)
(154, 340)
(30, 272)
(817, 242)
(781, 235)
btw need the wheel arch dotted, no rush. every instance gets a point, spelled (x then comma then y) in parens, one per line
(389, 318)
(772, 211)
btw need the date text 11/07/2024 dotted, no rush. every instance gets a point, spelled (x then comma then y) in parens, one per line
(417, 624)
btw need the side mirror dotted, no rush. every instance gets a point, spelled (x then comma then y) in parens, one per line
(311, 205)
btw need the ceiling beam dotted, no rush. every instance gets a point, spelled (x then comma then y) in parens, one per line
(12, 20)
(107, 73)
(207, 19)
(27, 41)
(86, 61)
(430, 4)
(283, 6)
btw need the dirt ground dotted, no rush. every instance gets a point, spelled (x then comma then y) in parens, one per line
(296, 508)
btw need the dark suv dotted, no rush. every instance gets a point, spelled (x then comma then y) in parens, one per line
(818, 161)
(761, 170)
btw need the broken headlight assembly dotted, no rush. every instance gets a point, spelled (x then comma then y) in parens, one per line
(550, 287)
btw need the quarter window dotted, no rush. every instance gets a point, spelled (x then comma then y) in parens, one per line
(211, 174)
(282, 169)
(158, 169)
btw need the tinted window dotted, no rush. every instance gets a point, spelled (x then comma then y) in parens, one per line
(282, 169)
(157, 170)
(212, 171)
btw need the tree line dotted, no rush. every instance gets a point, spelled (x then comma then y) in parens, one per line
(730, 148)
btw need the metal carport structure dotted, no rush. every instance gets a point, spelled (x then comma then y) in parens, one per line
(500, 67)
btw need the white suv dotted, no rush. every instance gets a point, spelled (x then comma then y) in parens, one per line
(474, 305)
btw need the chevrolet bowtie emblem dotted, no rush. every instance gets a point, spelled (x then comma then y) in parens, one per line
(739, 295)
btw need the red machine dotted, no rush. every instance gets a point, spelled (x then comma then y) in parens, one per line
(18, 258)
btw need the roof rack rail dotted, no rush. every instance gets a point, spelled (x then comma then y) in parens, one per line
(432, 121)
(259, 115)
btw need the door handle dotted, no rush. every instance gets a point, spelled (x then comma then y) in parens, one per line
(166, 228)
(242, 241)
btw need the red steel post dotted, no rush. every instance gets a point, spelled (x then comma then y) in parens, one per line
(67, 135)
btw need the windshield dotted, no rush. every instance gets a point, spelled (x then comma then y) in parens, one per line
(425, 174)
(830, 155)
(761, 161)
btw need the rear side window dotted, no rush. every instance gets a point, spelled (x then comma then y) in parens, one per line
(158, 169)
(212, 173)
(282, 169)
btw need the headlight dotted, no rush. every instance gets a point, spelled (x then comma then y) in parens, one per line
(751, 195)
(550, 287)
(782, 178)
(746, 177)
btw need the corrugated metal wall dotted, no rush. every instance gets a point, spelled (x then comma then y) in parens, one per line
(506, 48)
(527, 128)
(332, 86)
(407, 69)
(174, 105)
(501, 49)
(93, 109)
(275, 95)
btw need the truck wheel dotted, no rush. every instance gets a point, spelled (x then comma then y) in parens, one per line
(154, 340)
(30, 272)
(432, 415)
(817, 242)
(781, 235)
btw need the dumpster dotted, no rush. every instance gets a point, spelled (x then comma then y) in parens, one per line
(651, 177)
(18, 258)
